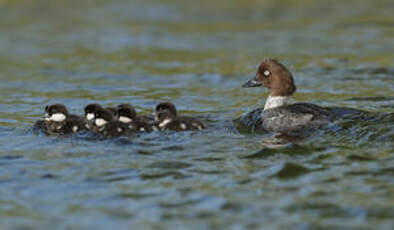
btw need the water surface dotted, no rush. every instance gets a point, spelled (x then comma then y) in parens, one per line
(197, 56)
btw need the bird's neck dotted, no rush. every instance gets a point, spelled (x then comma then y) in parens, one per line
(276, 101)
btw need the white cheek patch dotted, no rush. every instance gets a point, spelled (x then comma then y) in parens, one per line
(164, 123)
(124, 119)
(90, 116)
(266, 73)
(100, 122)
(58, 117)
(183, 126)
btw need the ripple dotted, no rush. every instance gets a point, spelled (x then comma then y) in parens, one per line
(289, 170)
(377, 98)
(137, 196)
(171, 174)
(355, 157)
(208, 159)
(169, 165)
(10, 157)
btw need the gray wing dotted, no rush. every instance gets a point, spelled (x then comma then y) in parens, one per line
(294, 116)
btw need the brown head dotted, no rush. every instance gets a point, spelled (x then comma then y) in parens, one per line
(275, 76)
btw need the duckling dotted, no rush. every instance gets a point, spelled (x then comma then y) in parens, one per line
(59, 122)
(127, 114)
(105, 124)
(167, 119)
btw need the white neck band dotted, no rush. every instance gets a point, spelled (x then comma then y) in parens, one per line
(276, 101)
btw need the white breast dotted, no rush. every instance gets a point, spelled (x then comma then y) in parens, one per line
(125, 119)
(165, 122)
(100, 122)
(276, 101)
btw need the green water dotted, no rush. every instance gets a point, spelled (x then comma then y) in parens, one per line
(197, 55)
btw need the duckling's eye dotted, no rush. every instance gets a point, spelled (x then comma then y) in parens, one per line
(267, 72)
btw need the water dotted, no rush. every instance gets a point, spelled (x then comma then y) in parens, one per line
(197, 56)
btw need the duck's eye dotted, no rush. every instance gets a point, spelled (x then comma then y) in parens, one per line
(267, 72)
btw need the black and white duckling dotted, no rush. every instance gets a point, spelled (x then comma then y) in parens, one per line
(90, 114)
(90, 110)
(105, 124)
(167, 119)
(59, 122)
(126, 113)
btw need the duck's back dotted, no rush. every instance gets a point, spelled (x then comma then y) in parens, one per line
(75, 123)
(115, 129)
(183, 123)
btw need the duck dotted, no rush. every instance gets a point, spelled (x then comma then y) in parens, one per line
(58, 121)
(127, 114)
(90, 109)
(105, 124)
(167, 118)
(279, 114)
